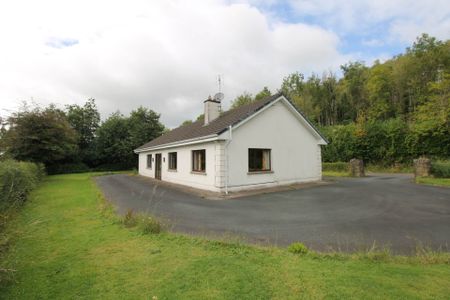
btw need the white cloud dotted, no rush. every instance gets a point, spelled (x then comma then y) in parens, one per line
(404, 19)
(161, 54)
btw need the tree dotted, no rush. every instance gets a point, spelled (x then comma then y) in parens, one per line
(113, 142)
(264, 93)
(293, 85)
(426, 59)
(186, 122)
(144, 126)
(380, 92)
(353, 87)
(245, 98)
(118, 136)
(85, 120)
(41, 135)
(432, 120)
(329, 99)
(303, 94)
(3, 130)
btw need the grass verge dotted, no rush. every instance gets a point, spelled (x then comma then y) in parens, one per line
(433, 181)
(398, 168)
(335, 174)
(66, 243)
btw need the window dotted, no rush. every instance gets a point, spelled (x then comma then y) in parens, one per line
(258, 160)
(149, 161)
(199, 160)
(172, 160)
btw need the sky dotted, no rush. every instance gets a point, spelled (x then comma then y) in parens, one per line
(167, 55)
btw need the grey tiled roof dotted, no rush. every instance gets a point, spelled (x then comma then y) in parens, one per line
(217, 126)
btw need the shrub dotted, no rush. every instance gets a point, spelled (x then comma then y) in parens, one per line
(298, 248)
(335, 167)
(149, 225)
(130, 219)
(441, 169)
(17, 179)
(146, 223)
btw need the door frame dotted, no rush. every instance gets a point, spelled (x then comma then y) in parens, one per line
(158, 166)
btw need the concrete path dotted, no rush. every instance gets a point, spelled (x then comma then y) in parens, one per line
(349, 214)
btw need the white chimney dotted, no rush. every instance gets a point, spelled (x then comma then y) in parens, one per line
(212, 109)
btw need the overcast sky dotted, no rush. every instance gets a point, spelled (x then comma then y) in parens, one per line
(166, 55)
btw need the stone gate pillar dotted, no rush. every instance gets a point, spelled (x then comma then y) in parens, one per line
(356, 167)
(422, 167)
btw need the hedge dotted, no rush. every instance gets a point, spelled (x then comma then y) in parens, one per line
(335, 167)
(384, 142)
(17, 180)
(81, 168)
(67, 168)
(440, 169)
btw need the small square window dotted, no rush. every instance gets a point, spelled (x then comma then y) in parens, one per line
(259, 160)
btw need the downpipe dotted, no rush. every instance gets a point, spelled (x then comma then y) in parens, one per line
(230, 137)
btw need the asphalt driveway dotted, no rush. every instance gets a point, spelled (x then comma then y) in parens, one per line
(347, 215)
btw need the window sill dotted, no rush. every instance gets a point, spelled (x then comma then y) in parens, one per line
(198, 173)
(149, 168)
(172, 170)
(259, 172)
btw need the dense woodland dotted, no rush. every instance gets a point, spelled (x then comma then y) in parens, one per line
(390, 112)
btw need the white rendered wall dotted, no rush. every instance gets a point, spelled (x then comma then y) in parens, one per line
(210, 180)
(295, 153)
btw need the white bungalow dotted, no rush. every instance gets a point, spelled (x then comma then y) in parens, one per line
(262, 144)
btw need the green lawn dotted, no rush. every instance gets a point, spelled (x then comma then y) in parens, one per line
(66, 246)
(434, 181)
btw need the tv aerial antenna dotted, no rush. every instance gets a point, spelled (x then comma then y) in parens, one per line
(219, 96)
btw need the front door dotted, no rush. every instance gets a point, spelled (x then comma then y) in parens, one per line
(158, 166)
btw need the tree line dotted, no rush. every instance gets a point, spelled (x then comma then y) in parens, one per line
(74, 139)
(396, 88)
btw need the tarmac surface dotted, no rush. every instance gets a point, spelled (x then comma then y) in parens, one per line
(348, 214)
